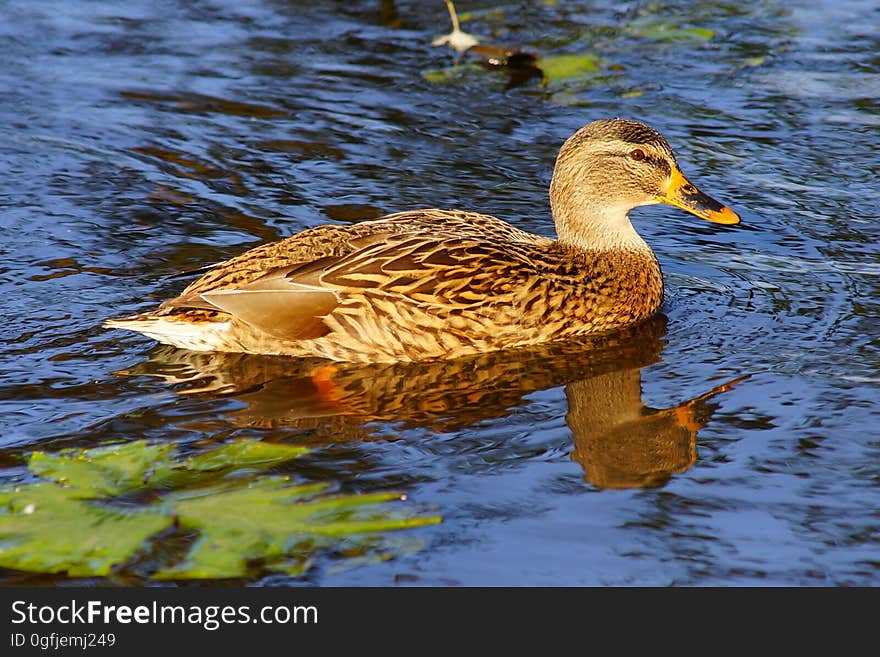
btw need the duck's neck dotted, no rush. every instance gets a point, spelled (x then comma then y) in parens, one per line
(584, 220)
(595, 227)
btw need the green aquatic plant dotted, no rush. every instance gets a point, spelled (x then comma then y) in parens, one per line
(553, 71)
(48, 528)
(655, 28)
(114, 509)
(561, 68)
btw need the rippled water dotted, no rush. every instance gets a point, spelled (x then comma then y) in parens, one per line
(142, 139)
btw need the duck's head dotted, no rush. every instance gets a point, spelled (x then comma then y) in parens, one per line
(611, 166)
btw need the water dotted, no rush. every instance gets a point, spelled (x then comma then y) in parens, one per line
(145, 139)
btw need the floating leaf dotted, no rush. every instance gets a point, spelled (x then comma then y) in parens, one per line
(82, 521)
(658, 31)
(110, 470)
(119, 469)
(243, 454)
(48, 528)
(560, 68)
(265, 520)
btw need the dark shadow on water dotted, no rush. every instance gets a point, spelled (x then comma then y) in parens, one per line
(618, 440)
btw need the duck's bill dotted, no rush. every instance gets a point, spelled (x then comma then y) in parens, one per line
(683, 194)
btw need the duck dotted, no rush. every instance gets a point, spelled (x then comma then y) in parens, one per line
(445, 283)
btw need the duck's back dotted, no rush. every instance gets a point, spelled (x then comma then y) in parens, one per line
(337, 241)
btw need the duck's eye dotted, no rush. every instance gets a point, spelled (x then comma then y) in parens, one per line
(637, 154)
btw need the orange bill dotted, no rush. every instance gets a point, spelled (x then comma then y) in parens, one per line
(683, 194)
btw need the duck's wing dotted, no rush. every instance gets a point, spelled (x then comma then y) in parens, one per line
(315, 244)
(443, 271)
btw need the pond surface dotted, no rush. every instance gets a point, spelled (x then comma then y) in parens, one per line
(733, 441)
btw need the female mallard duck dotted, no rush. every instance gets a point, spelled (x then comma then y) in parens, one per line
(443, 283)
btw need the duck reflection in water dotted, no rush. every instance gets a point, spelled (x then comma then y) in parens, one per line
(618, 440)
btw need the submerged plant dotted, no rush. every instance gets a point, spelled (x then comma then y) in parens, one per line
(117, 509)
